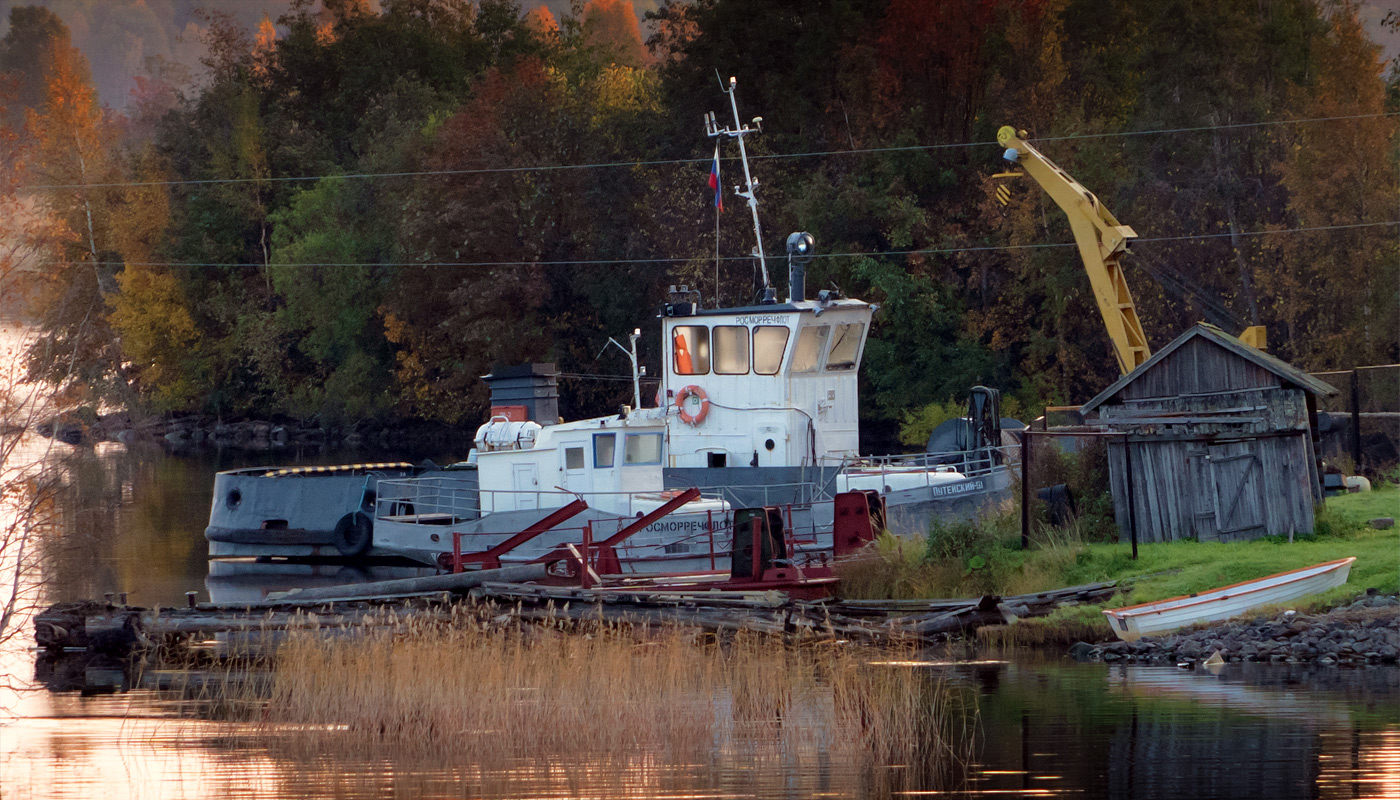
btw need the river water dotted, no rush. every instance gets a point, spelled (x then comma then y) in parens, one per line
(132, 520)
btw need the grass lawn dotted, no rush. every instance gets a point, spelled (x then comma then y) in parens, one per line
(1162, 569)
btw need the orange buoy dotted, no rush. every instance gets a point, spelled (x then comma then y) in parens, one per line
(685, 394)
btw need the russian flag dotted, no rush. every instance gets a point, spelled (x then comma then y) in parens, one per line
(714, 180)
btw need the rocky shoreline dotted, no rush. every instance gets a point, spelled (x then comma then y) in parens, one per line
(193, 433)
(1363, 632)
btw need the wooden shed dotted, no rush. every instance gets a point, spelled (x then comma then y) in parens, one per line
(1220, 442)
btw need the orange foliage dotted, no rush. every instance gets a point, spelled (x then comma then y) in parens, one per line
(612, 24)
(541, 20)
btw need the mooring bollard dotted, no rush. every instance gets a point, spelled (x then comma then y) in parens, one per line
(108, 597)
(189, 598)
(122, 597)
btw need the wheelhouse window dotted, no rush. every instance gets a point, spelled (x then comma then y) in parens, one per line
(731, 350)
(769, 344)
(845, 347)
(690, 349)
(811, 341)
(604, 450)
(641, 448)
(573, 458)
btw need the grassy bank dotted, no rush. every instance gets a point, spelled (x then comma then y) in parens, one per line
(970, 559)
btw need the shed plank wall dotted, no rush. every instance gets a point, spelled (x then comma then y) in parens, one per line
(1198, 367)
(1181, 488)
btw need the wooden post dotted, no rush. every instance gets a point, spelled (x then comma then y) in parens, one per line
(1026, 489)
(1128, 478)
(1356, 421)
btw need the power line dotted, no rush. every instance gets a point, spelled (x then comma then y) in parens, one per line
(674, 260)
(673, 161)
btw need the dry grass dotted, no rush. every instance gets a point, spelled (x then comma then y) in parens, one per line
(484, 690)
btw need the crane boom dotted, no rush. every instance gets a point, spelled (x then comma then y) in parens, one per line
(1101, 240)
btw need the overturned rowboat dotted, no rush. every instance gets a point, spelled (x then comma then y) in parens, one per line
(1149, 619)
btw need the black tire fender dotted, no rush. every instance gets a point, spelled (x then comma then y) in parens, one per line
(354, 534)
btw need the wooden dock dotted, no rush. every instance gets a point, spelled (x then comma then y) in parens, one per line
(102, 642)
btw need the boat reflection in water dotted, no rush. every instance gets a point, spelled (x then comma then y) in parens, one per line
(236, 581)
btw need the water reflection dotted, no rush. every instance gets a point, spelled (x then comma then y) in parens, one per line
(132, 521)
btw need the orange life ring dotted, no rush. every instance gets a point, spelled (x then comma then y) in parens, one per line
(698, 393)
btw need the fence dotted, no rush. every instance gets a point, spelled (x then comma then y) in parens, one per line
(1362, 422)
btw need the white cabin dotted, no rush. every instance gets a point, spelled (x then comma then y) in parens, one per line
(780, 381)
(767, 386)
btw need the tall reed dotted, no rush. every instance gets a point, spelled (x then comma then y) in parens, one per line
(479, 688)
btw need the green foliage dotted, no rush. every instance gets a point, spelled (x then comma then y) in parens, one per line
(915, 426)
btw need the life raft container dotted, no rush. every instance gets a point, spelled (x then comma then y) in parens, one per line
(685, 394)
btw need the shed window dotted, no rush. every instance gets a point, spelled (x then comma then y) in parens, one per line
(845, 349)
(604, 450)
(573, 458)
(690, 349)
(810, 343)
(731, 350)
(642, 448)
(769, 342)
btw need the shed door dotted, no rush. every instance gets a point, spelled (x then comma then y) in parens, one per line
(1202, 501)
(1239, 488)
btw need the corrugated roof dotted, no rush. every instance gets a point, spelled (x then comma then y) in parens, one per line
(1282, 369)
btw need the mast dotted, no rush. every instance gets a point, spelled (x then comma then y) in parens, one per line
(749, 192)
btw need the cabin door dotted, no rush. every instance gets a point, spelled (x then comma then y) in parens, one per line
(526, 483)
(1238, 476)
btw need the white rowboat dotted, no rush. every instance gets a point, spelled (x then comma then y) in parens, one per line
(1149, 619)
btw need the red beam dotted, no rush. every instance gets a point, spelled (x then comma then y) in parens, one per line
(491, 559)
(645, 521)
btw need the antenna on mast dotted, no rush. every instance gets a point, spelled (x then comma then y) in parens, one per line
(739, 131)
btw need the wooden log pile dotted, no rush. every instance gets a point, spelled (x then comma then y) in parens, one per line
(109, 639)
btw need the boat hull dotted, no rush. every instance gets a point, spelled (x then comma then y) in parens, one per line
(1150, 619)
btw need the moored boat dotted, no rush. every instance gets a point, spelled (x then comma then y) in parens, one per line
(1149, 619)
(758, 407)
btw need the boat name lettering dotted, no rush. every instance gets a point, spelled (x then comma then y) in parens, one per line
(762, 319)
(672, 526)
(959, 488)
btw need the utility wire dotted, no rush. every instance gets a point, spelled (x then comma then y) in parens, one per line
(672, 161)
(673, 260)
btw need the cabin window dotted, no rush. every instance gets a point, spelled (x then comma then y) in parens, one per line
(810, 344)
(604, 450)
(769, 342)
(845, 347)
(731, 350)
(642, 448)
(690, 349)
(573, 458)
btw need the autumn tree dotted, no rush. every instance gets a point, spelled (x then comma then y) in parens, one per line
(1336, 293)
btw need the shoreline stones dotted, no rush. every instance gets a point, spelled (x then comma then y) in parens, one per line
(1363, 632)
(194, 434)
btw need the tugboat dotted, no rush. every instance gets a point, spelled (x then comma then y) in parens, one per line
(758, 407)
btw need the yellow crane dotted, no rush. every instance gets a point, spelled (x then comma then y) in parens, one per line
(1102, 240)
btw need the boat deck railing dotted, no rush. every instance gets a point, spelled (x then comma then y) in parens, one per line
(445, 500)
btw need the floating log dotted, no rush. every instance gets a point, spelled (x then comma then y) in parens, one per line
(456, 582)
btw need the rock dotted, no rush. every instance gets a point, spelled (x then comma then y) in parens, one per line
(1327, 661)
(1081, 651)
(1382, 523)
(176, 436)
(126, 436)
(69, 433)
